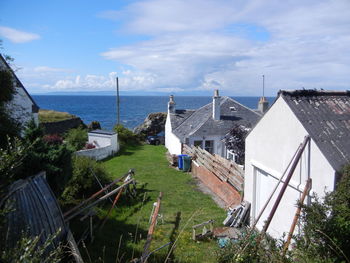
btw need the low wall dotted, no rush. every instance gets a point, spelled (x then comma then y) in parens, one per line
(221, 189)
(59, 127)
(224, 178)
(97, 153)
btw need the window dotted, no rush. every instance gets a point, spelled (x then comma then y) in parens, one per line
(197, 143)
(230, 155)
(209, 146)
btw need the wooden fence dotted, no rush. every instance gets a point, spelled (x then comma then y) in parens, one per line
(222, 168)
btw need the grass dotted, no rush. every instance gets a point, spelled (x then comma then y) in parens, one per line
(53, 116)
(181, 200)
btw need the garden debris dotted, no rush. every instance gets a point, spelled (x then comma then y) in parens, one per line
(205, 231)
(147, 245)
(236, 217)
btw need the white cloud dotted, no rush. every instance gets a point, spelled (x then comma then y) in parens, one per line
(230, 44)
(45, 69)
(17, 36)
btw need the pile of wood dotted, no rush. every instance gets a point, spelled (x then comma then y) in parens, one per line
(225, 170)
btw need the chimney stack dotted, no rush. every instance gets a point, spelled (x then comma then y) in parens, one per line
(263, 104)
(216, 105)
(171, 104)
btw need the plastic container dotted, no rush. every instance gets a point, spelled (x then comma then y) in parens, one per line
(180, 163)
(186, 163)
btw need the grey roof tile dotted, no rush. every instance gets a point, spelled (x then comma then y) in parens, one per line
(201, 123)
(326, 117)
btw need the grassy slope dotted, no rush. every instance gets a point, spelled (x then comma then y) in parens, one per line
(179, 196)
(52, 116)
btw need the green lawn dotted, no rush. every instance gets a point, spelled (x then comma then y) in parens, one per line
(53, 116)
(180, 200)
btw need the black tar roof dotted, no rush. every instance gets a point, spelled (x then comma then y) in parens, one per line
(19, 83)
(200, 122)
(326, 117)
(103, 132)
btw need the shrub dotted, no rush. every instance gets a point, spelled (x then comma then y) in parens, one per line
(89, 146)
(326, 225)
(83, 182)
(53, 139)
(94, 125)
(126, 137)
(76, 138)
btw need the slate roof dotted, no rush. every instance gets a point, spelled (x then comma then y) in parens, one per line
(326, 117)
(201, 123)
(4, 64)
(33, 209)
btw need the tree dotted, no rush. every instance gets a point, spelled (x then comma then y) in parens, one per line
(235, 142)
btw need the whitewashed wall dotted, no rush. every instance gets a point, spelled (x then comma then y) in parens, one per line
(21, 107)
(97, 153)
(218, 144)
(172, 142)
(103, 140)
(269, 148)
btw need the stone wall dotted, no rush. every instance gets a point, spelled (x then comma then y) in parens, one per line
(59, 127)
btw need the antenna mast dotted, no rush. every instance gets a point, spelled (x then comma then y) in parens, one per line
(263, 76)
(118, 103)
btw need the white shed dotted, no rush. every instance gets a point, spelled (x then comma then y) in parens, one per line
(105, 143)
(270, 146)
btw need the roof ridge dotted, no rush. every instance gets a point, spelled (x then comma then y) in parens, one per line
(257, 113)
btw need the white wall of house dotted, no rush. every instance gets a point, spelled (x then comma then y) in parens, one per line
(218, 147)
(21, 107)
(269, 148)
(172, 142)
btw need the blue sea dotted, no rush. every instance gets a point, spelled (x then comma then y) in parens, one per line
(133, 109)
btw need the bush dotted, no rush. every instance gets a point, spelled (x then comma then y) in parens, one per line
(49, 156)
(83, 182)
(53, 139)
(76, 138)
(126, 137)
(94, 125)
(326, 224)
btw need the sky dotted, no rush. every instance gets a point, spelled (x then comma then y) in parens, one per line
(178, 47)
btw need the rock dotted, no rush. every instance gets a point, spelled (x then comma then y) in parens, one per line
(153, 124)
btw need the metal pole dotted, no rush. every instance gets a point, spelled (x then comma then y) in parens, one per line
(263, 85)
(297, 214)
(118, 103)
(284, 187)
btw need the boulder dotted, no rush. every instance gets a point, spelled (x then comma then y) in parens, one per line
(152, 125)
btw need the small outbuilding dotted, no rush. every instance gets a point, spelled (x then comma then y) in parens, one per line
(324, 116)
(101, 144)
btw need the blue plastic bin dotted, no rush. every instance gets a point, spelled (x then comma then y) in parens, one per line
(180, 162)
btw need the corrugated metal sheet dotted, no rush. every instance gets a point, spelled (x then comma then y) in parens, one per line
(326, 117)
(33, 210)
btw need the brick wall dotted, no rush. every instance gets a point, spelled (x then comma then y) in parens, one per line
(221, 189)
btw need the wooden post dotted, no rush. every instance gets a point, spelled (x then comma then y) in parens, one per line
(147, 245)
(284, 187)
(297, 215)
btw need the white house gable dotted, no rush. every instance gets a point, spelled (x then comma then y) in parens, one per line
(270, 146)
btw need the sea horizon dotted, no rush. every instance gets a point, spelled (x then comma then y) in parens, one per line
(133, 109)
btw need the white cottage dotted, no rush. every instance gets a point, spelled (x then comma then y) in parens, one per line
(22, 107)
(270, 146)
(207, 126)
